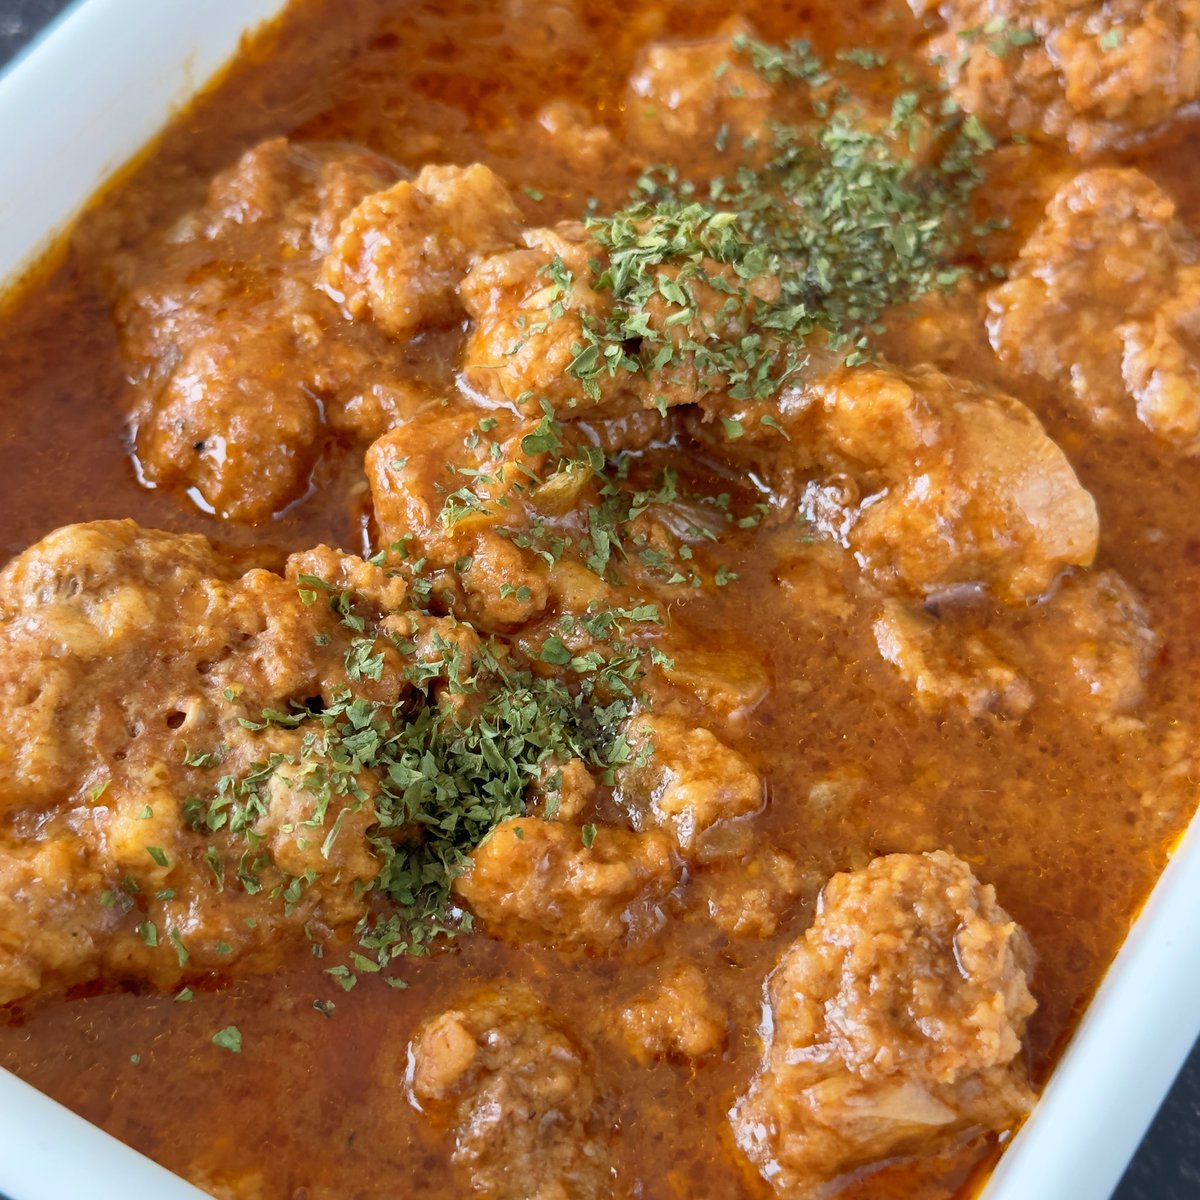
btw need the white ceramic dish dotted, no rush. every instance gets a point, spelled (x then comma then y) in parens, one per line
(73, 110)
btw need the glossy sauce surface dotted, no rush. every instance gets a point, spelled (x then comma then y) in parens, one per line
(1070, 824)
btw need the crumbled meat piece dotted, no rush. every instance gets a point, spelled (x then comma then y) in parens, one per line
(746, 895)
(578, 140)
(1096, 628)
(532, 306)
(974, 489)
(677, 1018)
(449, 486)
(943, 668)
(518, 1095)
(495, 509)
(681, 94)
(400, 256)
(1161, 364)
(563, 791)
(1087, 645)
(720, 307)
(240, 368)
(895, 1026)
(1092, 72)
(221, 423)
(1104, 301)
(932, 482)
(129, 659)
(538, 880)
(528, 306)
(689, 779)
(820, 580)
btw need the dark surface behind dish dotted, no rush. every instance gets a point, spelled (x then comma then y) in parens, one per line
(1167, 1165)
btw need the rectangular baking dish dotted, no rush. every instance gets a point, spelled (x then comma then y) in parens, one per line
(73, 110)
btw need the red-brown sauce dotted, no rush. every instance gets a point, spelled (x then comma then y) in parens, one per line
(1071, 826)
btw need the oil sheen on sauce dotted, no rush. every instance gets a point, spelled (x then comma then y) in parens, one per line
(1071, 828)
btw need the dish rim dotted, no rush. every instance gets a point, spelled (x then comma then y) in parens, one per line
(1133, 1036)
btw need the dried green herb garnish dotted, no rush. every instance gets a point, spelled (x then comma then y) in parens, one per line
(447, 760)
(719, 286)
(849, 215)
(229, 1038)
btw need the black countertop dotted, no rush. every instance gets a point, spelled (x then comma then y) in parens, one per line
(1167, 1165)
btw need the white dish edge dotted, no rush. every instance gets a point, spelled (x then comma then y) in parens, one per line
(1138, 1029)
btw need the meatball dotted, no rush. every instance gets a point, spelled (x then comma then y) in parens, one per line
(240, 369)
(895, 1025)
(399, 257)
(528, 306)
(747, 892)
(934, 483)
(575, 887)
(517, 1093)
(1092, 72)
(1104, 301)
(688, 782)
(131, 664)
(682, 94)
(677, 1018)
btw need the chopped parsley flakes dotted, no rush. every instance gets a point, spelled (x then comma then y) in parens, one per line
(229, 1038)
(723, 284)
(444, 762)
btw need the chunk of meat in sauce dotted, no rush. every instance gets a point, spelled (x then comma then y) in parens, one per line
(1092, 72)
(447, 487)
(682, 95)
(746, 893)
(240, 367)
(535, 880)
(1104, 301)
(130, 659)
(528, 307)
(976, 492)
(517, 1093)
(536, 312)
(1087, 646)
(678, 1018)
(944, 668)
(399, 257)
(577, 141)
(933, 482)
(688, 782)
(1097, 627)
(477, 497)
(896, 1026)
